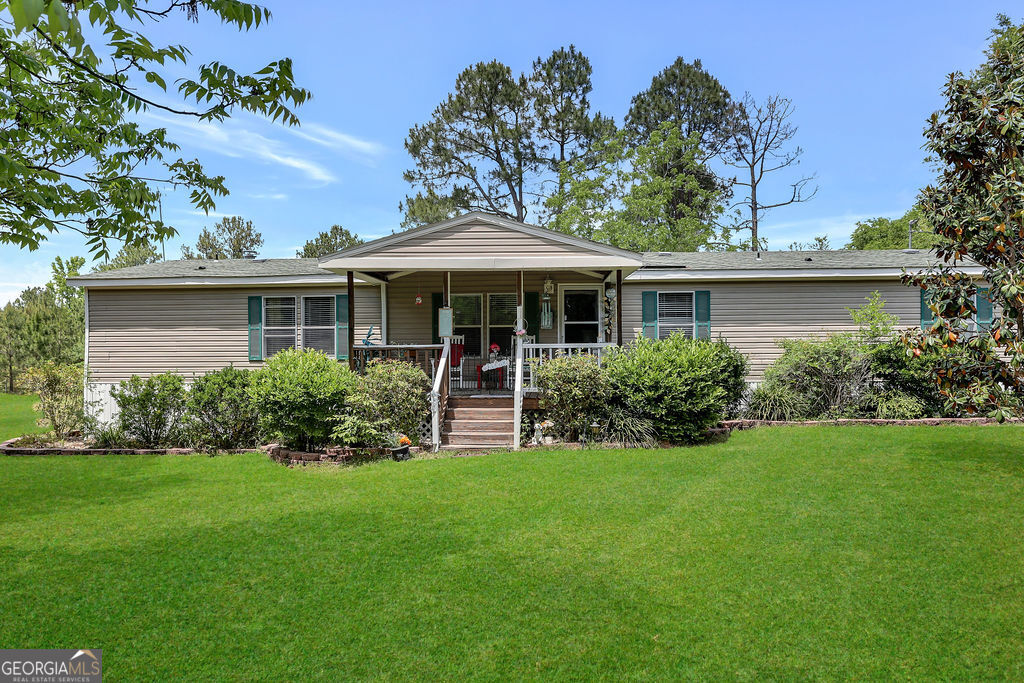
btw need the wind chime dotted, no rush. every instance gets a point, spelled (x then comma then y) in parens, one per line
(419, 297)
(547, 316)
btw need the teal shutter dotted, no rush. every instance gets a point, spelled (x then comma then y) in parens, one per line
(702, 309)
(650, 315)
(531, 313)
(984, 304)
(255, 328)
(341, 323)
(436, 302)
(927, 317)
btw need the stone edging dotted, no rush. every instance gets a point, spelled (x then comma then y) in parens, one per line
(7, 449)
(845, 422)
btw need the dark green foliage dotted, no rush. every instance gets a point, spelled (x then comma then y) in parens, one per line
(329, 242)
(734, 370)
(233, 237)
(776, 401)
(677, 383)
(90, 66)
(150, 410)
(910, 375)
(60, 389)
(894, 233)
(390, 397)
(575, 393)
(831, 375)
(219, 411)
(298, 394)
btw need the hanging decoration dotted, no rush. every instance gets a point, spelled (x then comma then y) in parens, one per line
(547, 316)
(419, 297)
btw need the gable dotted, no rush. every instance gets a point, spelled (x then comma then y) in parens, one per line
(477, 238)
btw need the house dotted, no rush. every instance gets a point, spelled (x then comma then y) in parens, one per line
(477, 274)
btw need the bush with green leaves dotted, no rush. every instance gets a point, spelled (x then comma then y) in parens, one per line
(677, 383)
(831, 374)
(150, 409)
(734, 370)
(220, 412)
(775, 401)
(575, 393)
(393, 393)
(899, 370)
(298, 394)
(61, 390)
(895, 405)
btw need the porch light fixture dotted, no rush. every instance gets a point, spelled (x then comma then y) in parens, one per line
(547, 316)
(610, 292)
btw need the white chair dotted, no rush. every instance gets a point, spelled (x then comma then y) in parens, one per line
(458, 357)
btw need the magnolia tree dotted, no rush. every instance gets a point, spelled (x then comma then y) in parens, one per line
(976, 208)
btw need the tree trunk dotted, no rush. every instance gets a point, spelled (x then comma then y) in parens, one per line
(754, 244)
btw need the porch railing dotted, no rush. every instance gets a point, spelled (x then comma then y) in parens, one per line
(439, 396)
(425, 356)
(539, 353)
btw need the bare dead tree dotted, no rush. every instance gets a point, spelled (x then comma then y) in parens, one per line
(760, 137)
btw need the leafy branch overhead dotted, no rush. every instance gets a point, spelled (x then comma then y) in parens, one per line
(74, 74)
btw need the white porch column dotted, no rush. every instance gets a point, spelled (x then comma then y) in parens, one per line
(383, 313)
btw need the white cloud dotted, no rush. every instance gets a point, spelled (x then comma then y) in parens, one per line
(233, 140)
(322, 135)
(276, 196)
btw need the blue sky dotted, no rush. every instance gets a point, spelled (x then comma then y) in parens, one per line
(863, 77)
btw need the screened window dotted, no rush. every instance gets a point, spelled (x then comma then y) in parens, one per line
(278, 324)
(501, 321)
(318, 323)
(467, 320)
(675, 313)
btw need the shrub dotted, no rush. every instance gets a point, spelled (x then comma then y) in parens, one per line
(219, 412)
(830, 374)
(896, 405)
(627, 429)
(61, 396)
(775, 401)
(150, 409)
(897, 369)
(575, 393)
(297, 395)
(734, 376)
(393, 394)
(677, 383)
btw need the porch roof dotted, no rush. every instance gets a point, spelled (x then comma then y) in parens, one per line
(480, 241)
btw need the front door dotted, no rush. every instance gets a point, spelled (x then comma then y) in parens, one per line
(581, 316)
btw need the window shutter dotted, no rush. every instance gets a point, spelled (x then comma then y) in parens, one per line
(436, 302)
(984, 304)
(255, 328)
(531, 313)
(650, 315)
(702, 306)
(927, 317)
(341, 323)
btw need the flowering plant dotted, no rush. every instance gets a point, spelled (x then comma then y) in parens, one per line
(403, 440)
(520, 332)
(495, 348)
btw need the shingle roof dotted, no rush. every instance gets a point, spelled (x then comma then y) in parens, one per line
(226, 268)
(789, 260)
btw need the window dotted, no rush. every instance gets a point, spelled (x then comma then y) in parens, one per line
(318, 323)
(467, 320)
(675, 313)
(501, 321)
(278, 324)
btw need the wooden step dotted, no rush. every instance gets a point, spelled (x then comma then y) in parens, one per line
(480, 413)
(480, 402)
(503, 426)
(477, 438)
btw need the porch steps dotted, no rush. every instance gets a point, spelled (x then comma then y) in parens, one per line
(475, 422)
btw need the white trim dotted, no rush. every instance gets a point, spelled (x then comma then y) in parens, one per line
(483, 319)
(656, 274)
(85, 356)
(597, 287)
(483, 262)
(481, 217)
(268, 280)
(383, 313)
(657, 309)
(300, 320)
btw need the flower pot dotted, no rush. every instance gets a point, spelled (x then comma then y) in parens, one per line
(400, 453)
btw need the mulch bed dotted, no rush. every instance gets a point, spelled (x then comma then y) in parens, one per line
(78, 448)
(925, 421)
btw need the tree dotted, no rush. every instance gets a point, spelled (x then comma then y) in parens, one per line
(817, 243)
(695, 101)
(628, 199)
(477, 149)
(565, 129)
(88, 65)
(232, 237)
(976, 209)
(131, 255)
(13, 343)
(894, 233)
(760, 136)
(334, 240)
(427, 207)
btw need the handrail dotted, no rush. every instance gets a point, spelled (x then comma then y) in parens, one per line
(517, 397)
(440, 385)
(539, 353)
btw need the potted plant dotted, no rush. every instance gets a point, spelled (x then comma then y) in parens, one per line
(400, 451)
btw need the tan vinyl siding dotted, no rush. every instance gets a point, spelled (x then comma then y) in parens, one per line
(409, 323)
(477, 239)
(189, 331)
(754, 315)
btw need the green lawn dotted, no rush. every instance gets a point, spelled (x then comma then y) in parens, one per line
(852, 552)
(17, 416)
